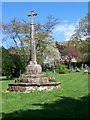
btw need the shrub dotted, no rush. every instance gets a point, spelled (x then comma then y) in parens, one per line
(11, 64)
(61, 69)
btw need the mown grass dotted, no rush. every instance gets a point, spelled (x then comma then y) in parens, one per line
(69, 101)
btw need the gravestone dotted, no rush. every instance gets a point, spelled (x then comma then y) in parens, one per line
(33, 79)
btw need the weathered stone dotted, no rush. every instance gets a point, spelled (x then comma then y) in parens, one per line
(33, 75)
(33, 79)
(26, 87)
(33, 68)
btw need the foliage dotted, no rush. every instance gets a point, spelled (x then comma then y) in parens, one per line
(18, 31)
(11, 64)
(84, 48)
(51, 54)
(61, 69)
(81, 38)
(44, 38)
(59, 47)
(86, 58)
(69, 51)
(83, 29)
(24, 55)
(7, 63)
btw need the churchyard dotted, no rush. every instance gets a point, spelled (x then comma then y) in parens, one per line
(43, 77)
(68, 101)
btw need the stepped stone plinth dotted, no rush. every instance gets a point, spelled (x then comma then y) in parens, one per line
(33, 79)
(28, 82)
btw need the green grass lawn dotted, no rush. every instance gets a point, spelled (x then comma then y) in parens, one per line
(69, 101)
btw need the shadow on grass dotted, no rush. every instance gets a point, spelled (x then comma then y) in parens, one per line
(6, 80)
(3, 78)
(65, 107)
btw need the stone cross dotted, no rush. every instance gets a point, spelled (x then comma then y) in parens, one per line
(33, 67)
(33, 48)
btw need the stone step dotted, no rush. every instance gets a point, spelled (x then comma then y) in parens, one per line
(33, 75)
(34, 84)
(26, 87)
(34, 80)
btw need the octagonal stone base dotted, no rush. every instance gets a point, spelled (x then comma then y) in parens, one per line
(33, 79)
(33, 68)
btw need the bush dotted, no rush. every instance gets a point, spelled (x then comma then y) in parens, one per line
(11, 64)
(61, 69)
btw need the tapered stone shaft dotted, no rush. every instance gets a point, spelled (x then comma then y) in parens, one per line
(33, 47)
(33, 67)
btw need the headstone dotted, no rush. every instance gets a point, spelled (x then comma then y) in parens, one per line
(82, 66)
(86, 70)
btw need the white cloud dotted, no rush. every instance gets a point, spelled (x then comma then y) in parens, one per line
(66, 29)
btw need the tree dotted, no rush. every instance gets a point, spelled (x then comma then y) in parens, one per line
(81, 38)
(69, 52)
(11, 64)
(24, 56)
(7, 63)
(59, 47)
(52, 54)
(44, 37)
(83, 30)
(18, 31)
(85, 49)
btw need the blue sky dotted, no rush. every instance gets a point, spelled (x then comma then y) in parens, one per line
(68, 12)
